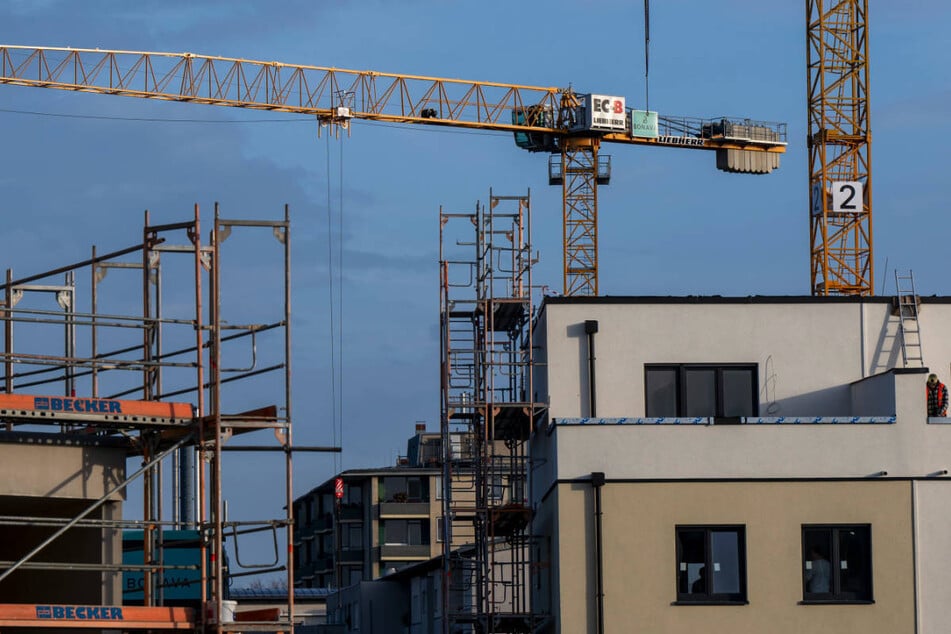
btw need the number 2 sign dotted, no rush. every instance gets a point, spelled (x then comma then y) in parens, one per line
(847, 196)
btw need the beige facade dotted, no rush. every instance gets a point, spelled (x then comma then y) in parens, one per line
(832, 442)
(639, 563)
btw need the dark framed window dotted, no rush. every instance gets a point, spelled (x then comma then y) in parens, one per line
(351, 536)
(699, 389)
(352, 495)
(837, 563)
(711, 564)
(404, 489)
(399, 532)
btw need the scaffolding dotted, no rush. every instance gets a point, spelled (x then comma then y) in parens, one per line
(486, 320)
(156, 384)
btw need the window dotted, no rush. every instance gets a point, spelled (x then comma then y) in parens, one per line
(327, 503)
(723, 391)
(711, 564)
(352, 575)
(837, 564)
(404, 489)
(351, 536)
(405, 532)
(353, 495)
(497, 489)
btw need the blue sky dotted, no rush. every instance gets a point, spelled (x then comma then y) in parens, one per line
(670, 223)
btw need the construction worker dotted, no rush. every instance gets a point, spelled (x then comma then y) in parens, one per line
(937, 396)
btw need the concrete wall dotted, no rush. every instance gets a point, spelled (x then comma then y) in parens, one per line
(933, 546)
(373, 607)
(60, 482)
(809, 357)
(910, 447)
(33, 470)
(639, 521)
(874, 395)
(808, 352)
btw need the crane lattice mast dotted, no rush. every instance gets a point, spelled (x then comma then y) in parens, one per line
(840, 143)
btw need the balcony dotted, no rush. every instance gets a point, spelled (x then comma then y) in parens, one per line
(404, 509)
(405, 551)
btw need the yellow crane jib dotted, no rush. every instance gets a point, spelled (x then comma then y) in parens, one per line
(569, 126)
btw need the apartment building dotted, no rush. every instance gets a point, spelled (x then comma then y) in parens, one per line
(757, 464)
(379, 521)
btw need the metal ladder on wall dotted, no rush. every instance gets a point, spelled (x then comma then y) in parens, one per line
(908, 324)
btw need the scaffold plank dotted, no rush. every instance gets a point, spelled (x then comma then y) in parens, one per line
(34, 409)
(96, 616)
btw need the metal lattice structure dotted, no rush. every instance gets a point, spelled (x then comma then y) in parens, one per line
(840, 177)
(191, 341)
(579, 169)
(487, 415)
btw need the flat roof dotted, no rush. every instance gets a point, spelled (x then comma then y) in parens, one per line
(328, 484)
(588, 300)
(726, 299)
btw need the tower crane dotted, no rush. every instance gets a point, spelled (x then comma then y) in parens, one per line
(839, 141)
(569, 126)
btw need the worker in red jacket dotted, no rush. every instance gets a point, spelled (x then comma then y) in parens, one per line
(937, 396)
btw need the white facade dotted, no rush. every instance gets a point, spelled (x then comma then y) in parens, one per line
(825, 359)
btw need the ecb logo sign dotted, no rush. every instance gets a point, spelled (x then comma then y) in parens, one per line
(607, 105)
(606, 113)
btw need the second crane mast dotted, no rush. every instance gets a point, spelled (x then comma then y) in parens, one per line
(840, 146)
(569, 126)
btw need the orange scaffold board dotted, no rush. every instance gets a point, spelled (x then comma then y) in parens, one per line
(65, 407)
(95, 616)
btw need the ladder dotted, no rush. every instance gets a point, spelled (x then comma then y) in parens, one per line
(908, 325)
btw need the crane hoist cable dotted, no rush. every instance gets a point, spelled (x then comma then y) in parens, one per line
(647, 53)
(340, 279)
(331, 302)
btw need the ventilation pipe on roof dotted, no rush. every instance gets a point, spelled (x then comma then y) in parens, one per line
(590, 328)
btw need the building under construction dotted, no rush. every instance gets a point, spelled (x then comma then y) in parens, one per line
(532, 566)
(147, 353)
(486, 318)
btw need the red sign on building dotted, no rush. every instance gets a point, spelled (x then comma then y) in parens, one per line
(338, 488)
